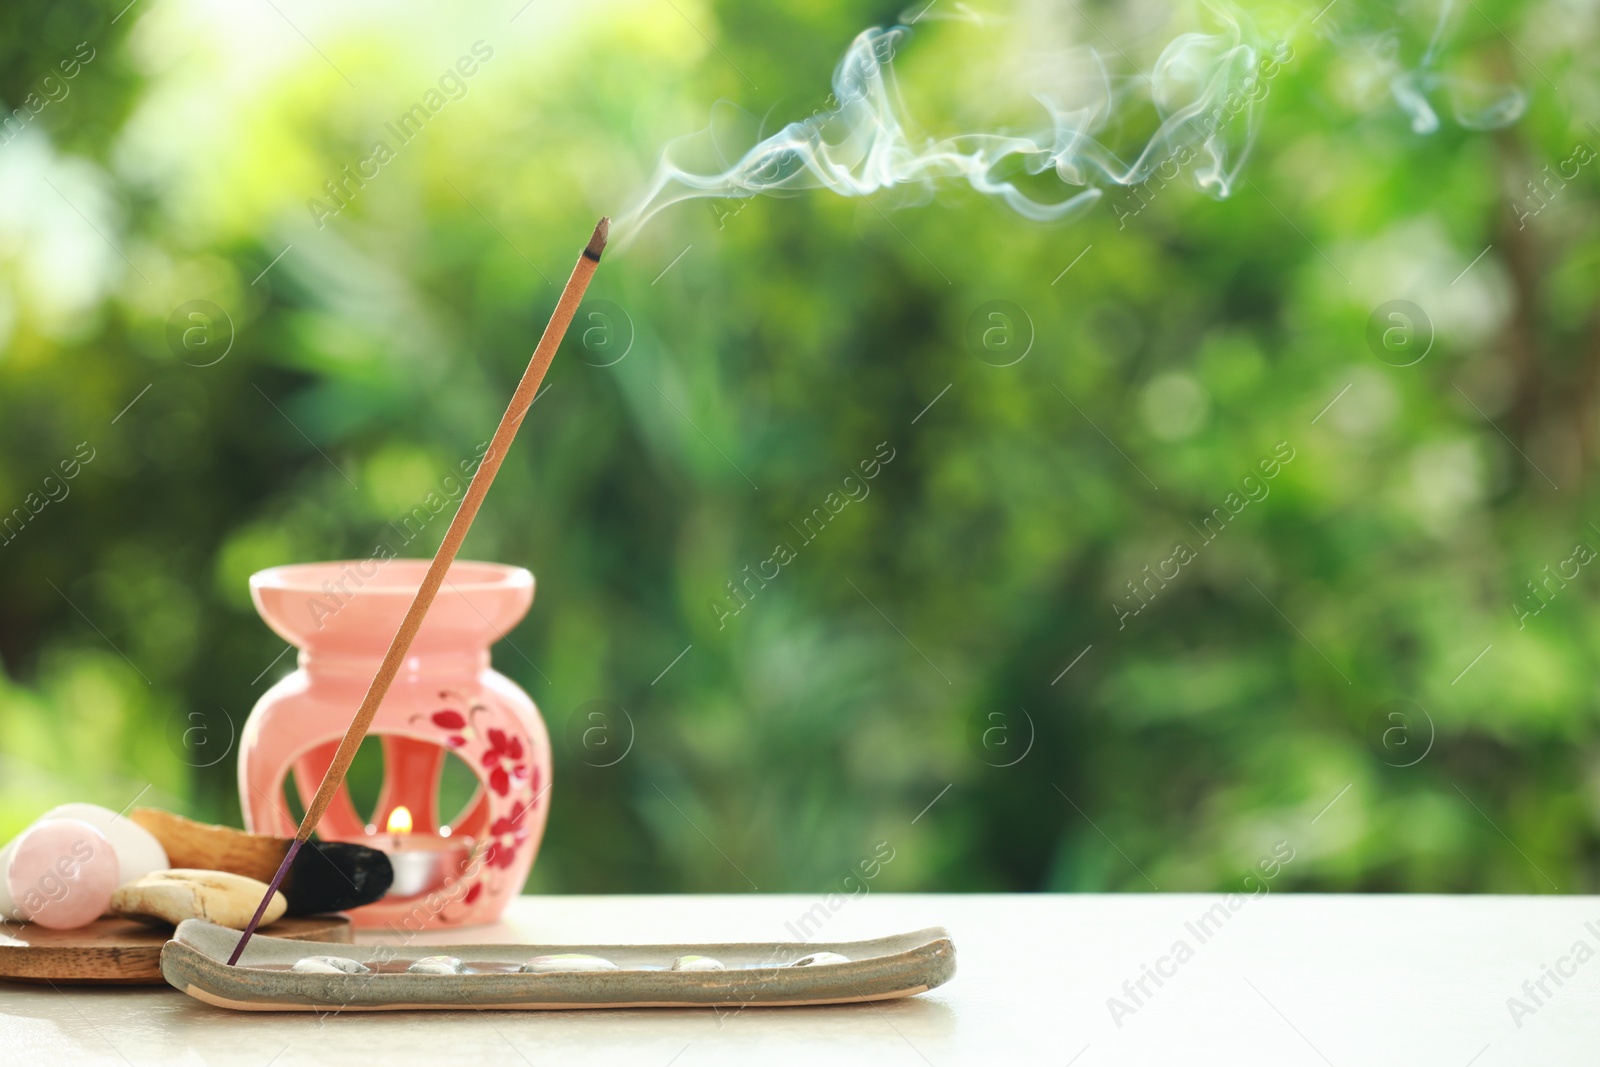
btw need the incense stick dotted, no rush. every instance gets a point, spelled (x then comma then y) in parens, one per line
(521, 400)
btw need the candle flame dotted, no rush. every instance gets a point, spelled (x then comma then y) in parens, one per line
(400, 820)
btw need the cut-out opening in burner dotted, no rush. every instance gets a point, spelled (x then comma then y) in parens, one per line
(439, 791)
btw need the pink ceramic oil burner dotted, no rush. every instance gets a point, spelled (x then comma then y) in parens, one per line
(446, 698)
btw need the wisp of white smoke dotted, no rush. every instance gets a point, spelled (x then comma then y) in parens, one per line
(1205, 89)
(1473, 104)
(862, 142)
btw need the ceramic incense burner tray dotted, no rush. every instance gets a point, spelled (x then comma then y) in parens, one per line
(535, 977)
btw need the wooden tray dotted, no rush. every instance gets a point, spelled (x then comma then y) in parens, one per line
(121, 951)
(757, 975)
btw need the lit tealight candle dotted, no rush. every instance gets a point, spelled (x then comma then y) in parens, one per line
(399, 823)
(422, 862)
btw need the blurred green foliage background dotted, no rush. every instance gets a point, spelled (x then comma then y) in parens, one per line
(1389, 562)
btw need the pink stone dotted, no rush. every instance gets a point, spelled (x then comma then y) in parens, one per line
(62, 873)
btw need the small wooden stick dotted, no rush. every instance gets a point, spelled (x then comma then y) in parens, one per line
(521, 400)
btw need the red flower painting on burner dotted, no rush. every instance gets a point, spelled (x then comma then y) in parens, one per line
(503, 760)
(506, 835)
(509, 771)
(455, 723)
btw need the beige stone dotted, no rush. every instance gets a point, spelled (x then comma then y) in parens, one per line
(216, 896)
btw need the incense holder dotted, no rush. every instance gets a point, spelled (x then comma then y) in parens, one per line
(271, 975)
(446, 699)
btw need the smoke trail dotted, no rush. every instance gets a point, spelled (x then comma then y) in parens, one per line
(861, 143)
(1205, 91)
(1474, 105)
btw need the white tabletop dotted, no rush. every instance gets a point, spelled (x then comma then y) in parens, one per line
(1314, 980)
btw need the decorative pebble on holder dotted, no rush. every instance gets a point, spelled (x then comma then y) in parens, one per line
(566, 961)
(697, 963)
(435, 965)
(816, 959)
(330, 965)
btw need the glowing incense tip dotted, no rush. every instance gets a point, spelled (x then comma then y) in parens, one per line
(597, 243)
